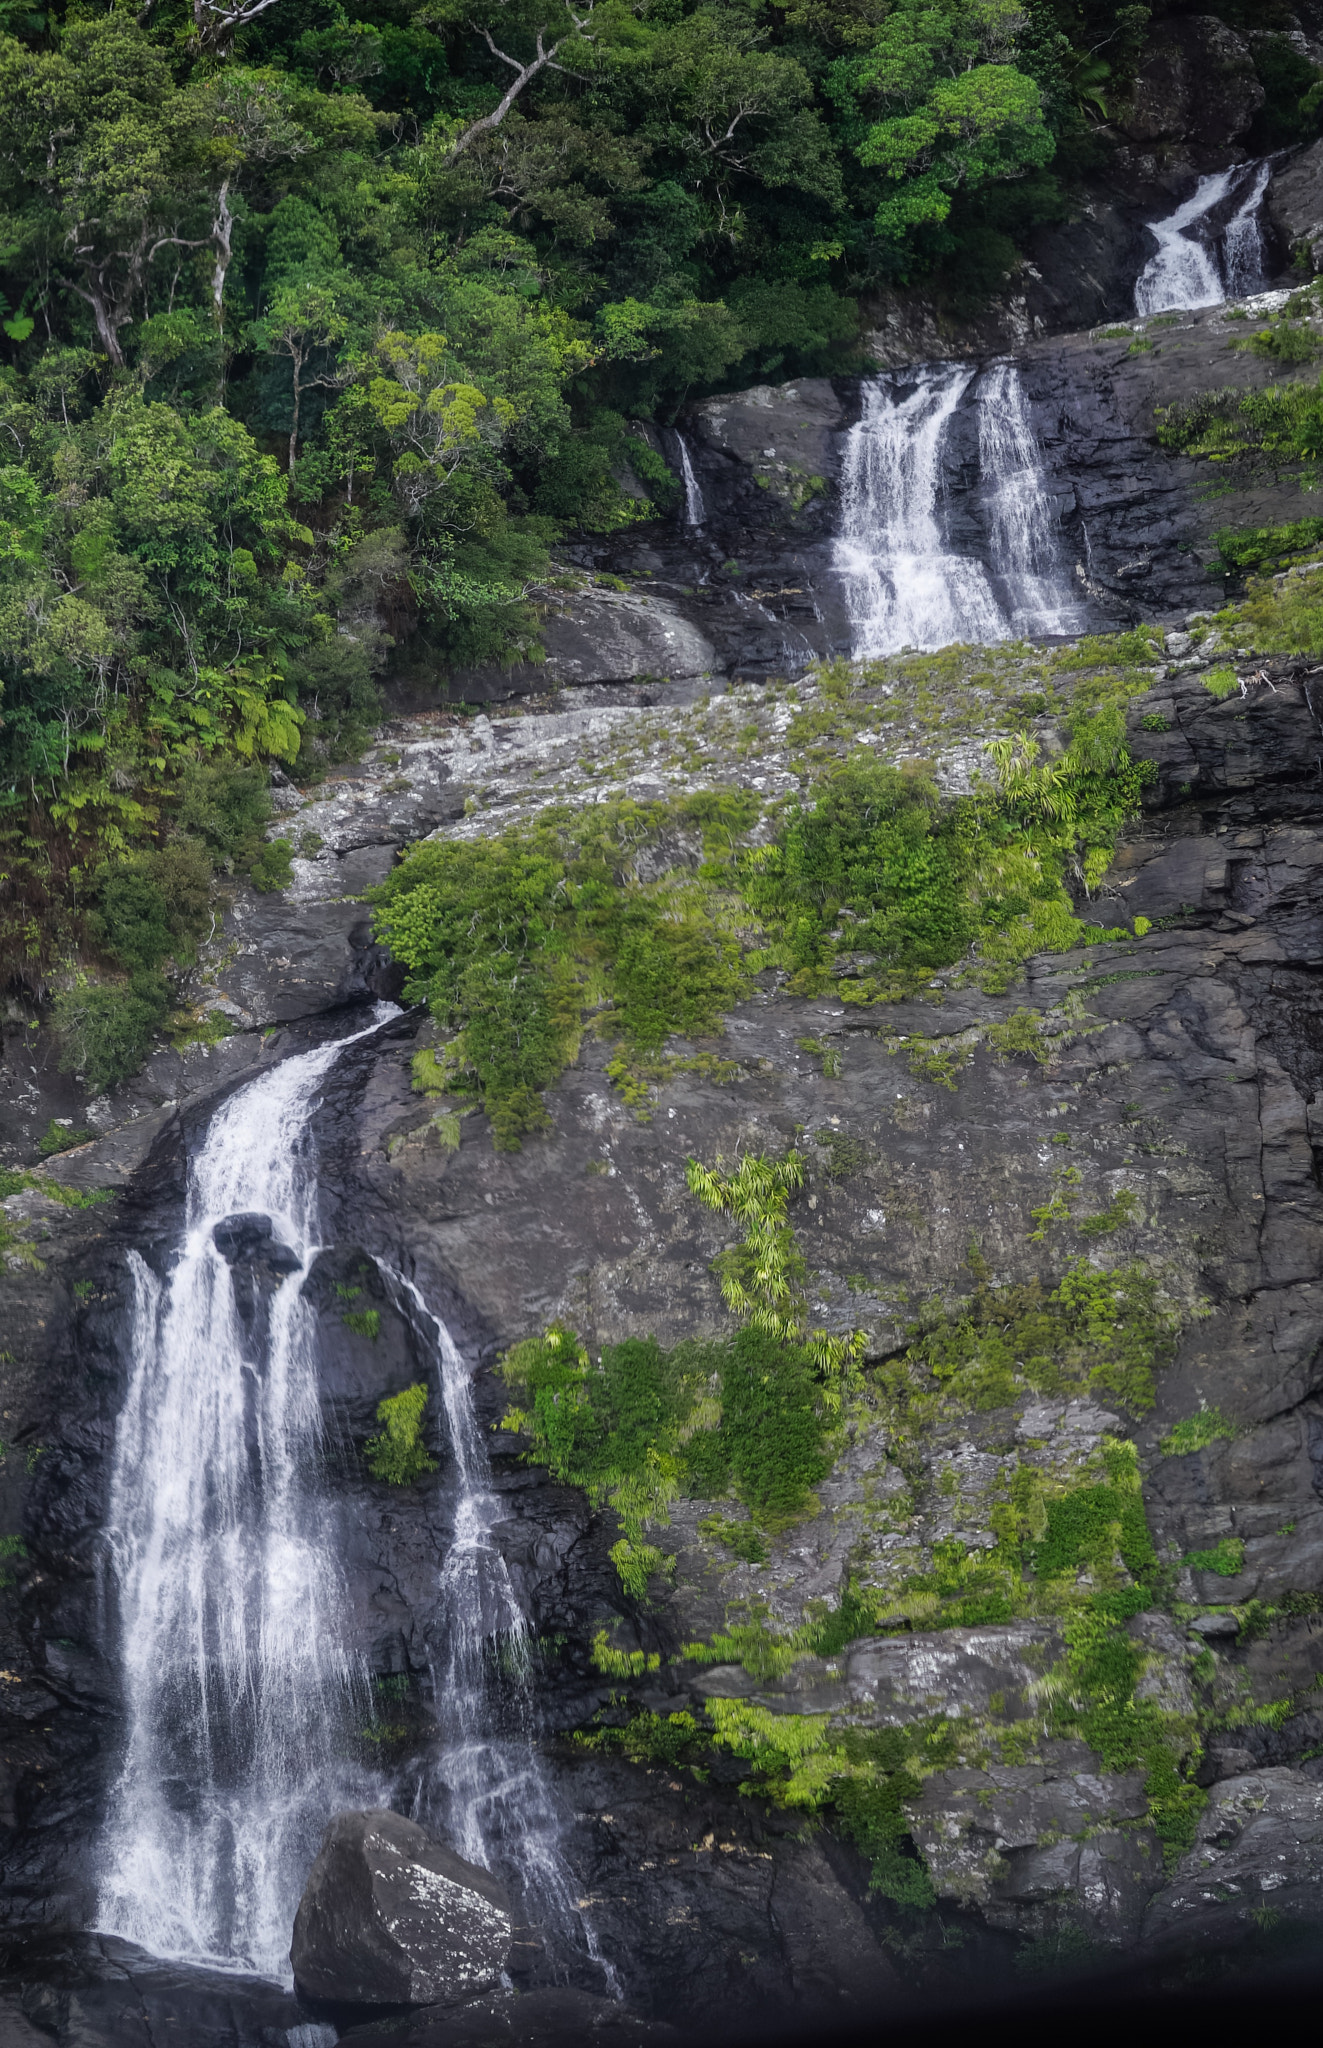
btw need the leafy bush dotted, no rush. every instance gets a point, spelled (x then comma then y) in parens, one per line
(106, 1028)
(505, 941)
(1196, 1433)
(398, 1455)
(58, 1137)
(1250, 551)
(273, 868)
(1106, 1331)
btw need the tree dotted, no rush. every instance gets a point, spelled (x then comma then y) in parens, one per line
(304, 322)
(957, 113)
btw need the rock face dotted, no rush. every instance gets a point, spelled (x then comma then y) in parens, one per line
(1259, 1850)
(1295, 204)
(391, 1917)
(1196, 84)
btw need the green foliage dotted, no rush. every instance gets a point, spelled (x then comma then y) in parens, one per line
(1196, 1433)
(1222, 682)
(106, 1029)
(273, 868)
(1104, 1331)
(741, 1539)
(510, 940)
(642, 1425)
(398, 1455)
(1226, 1558)
(364, 1323)
(879, 883)
(1251, 551)
(61, 1137)
(622, 1663)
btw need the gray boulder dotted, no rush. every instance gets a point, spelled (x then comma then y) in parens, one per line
(391, 1917)
(1258, 1858)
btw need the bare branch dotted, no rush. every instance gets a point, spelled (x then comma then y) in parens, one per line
(214, 22)
(545, 60)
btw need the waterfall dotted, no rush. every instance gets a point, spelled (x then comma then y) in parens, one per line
(486, 1792)
(695, 512)
(1243, 246)
(221, 1554)
(1184, 274)
(1024, 538)
(903, 586)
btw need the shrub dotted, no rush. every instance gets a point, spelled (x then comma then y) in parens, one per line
(58, 1137)
(273, 868)
(398, 1455)
(1196, 1433)
(1221, 682)
(106, 1028)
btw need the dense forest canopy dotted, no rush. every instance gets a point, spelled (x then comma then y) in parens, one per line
(324, 319)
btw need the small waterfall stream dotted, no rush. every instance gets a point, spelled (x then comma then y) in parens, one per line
(695, 512)
(1183, 272)
(1242, 246)
(485, 1790)
(904, 585)
(222, 1566)
(222, 1555)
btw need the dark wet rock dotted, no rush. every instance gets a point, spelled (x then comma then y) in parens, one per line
(596, 635)
(1259, 1850)
(535, 2019)
(94, 1991)
(1295, 204)
(389, 1916)
(1196, 84)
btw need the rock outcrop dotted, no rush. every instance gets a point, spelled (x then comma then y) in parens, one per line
(389, 1916)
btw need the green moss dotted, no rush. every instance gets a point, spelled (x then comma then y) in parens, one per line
(1227, 1558)
(1100, 1331)
(828, 1055)
(512, 940)
(61, 1137)
(1221, 683)
(398, 1455)
(364, 1323)
(1196, 1432)
(1249, 551)
(273, 868)
(743, 1539)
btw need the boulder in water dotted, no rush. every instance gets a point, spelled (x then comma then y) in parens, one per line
(391, 1917)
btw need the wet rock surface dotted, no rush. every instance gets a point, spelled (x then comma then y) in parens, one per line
(390, 1916)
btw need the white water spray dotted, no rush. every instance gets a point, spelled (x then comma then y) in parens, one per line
(221, 1552)
(1243, 247)
(1024, 534)
(695, 512)
(487, 1792)
(903, 586)
(1183, 274)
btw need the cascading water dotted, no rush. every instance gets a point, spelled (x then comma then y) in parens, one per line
(1024, 535)
(695, 512)
(486, 1791)
(221, 1556)
(903, 586)
(1243, 248)
(1183, 274)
